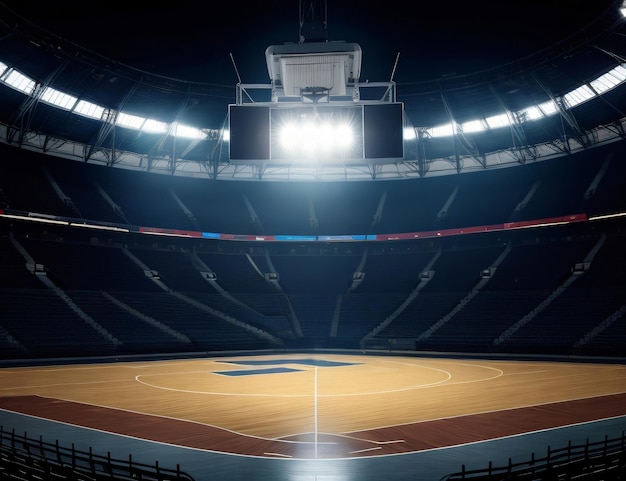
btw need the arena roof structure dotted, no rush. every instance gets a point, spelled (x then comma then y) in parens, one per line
(479, 88)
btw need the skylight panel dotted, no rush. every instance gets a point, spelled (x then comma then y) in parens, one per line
(129, 121)
(578, 96)
(532, 113)
(472, 126)
(619, 72)
(609, 80)
(89, 109)
(3, 67)
(58, 99)
(548, 108)
(445, 130)
(153, 126)
(20, 82)
(188, 132)
(497, 121)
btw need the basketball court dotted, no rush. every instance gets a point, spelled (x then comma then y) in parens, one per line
(318, 415)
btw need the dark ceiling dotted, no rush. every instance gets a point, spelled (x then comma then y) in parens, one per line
(182, 60)
(194, 41)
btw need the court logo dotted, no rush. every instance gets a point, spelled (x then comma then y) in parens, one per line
(277, 366)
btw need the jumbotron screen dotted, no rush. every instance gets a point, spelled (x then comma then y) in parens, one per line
(319, 133)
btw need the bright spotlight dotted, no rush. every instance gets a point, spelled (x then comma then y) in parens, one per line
(311, 139)
(289, 137)
(408, 133)
(344, 136)
(322, 135)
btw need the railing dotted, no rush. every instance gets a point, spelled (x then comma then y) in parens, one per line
(27, 458)
(601, 460)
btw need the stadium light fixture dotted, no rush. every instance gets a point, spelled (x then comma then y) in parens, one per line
(315, 135)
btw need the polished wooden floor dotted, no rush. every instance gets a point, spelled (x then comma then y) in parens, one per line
(318, 405)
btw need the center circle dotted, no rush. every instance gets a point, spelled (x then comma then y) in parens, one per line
(301, 377)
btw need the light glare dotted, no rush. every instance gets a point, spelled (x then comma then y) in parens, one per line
(311, 138)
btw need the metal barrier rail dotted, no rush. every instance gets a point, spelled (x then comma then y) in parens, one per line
(583, 462)
(30, 458)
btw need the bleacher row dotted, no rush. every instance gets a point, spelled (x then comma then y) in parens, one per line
(556, 290)
(590, 182)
